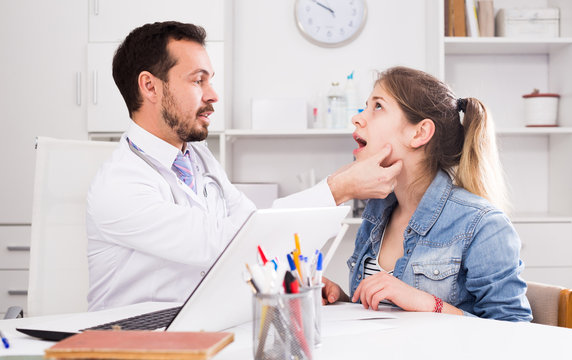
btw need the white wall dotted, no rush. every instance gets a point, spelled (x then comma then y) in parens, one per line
(272, 59)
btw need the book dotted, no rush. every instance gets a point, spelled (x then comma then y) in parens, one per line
(448, 18)
(156, 345)
(486, 17)
(472, 22)
(458, 18)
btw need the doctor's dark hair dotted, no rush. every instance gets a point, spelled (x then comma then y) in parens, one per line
(145, 49)
(464, 147)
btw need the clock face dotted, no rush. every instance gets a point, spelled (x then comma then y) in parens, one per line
(330, 22)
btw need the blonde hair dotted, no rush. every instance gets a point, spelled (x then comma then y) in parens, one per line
(466, 150)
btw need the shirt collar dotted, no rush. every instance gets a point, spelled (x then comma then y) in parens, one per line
(152, 146)
(432, 203)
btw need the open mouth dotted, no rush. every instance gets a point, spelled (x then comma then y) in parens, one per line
(361, 142)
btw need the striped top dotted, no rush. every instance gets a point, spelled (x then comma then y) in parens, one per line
(371, 265)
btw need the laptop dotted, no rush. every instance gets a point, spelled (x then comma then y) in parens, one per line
(222, 299)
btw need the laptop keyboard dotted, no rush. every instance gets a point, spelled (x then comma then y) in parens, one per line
(149, 321)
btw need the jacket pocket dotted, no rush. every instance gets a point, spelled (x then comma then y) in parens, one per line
(438, 278)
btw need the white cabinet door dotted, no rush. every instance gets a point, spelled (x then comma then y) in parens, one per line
(43, 90)
(112, 20)
(106, 110)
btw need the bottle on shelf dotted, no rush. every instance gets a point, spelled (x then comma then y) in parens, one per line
(337, 113)
(352, 100)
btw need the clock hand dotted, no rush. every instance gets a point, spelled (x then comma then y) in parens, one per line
(325, 7)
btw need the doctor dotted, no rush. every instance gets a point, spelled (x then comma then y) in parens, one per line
(161, 209)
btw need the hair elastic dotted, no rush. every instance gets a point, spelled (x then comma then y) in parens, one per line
(461, 104)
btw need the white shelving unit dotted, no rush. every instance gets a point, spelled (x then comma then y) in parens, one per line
(536, 160)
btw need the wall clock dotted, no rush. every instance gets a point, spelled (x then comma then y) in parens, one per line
(330, 23)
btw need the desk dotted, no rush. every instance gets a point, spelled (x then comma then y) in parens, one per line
(406, 336)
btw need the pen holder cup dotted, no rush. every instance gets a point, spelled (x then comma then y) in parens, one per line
(283, 325)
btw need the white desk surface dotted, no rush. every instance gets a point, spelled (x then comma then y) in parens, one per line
(406, 335)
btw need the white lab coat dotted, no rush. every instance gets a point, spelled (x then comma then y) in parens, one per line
(150, 237)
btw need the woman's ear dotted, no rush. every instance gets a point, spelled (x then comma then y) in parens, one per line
(148, 86)
(424, 131)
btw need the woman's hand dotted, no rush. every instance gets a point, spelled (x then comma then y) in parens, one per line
(383, 286)
(332, 292)
(365, 179)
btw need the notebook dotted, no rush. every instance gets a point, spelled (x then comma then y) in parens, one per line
(141, 345)
(222, 299)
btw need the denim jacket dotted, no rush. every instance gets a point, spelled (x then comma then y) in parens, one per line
(457, 246)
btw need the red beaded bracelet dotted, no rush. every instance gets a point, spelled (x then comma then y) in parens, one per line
(438, 305)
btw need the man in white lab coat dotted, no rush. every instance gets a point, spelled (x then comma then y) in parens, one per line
(162, 209)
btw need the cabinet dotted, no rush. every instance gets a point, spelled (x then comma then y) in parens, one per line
(14, 259)
(43, 93)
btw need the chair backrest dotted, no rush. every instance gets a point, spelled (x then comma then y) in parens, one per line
(58, 281)
(550, 304)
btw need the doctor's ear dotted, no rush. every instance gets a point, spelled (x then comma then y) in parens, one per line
(148, 86)
(424, 131)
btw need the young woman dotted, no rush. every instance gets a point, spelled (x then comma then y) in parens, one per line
(440, 242)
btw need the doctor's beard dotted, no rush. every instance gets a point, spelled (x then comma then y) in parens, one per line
(187, 131)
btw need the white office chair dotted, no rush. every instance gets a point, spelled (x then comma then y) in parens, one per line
(58, 281)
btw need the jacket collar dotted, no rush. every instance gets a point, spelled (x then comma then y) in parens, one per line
(152, 146)
(430, 207)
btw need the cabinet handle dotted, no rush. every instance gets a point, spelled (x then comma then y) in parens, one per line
(95, 87)
(18, 248)
(17, 292)
(78, 88)
(95, 7)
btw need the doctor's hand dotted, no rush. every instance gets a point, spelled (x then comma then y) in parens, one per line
(332, 292)
(365, 179)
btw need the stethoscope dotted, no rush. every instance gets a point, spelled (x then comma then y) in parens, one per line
(214, 180)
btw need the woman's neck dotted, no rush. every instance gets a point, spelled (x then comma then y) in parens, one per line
(410, 188)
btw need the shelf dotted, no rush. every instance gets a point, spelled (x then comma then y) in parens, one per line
(534, 130)
(541, 218)
(516, 218)
(248, 133)
(288, 133)
(502, 45)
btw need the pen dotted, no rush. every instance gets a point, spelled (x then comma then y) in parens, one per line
(293, 267)
(262, 256)
(4, 341)
(319, 269)
(297, 242)
(248, 278)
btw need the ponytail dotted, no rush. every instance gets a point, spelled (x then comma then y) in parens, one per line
(479, 170)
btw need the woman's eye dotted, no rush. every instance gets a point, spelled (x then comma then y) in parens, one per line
(377, 106)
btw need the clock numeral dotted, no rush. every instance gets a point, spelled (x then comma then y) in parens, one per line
(329, 34)
(317, 29)
(308, 8)
(310, 21)
(342, 31)
(351, 23)
(354, 11)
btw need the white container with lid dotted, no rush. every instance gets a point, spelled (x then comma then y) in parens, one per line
(540, 109)
(534, 23)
